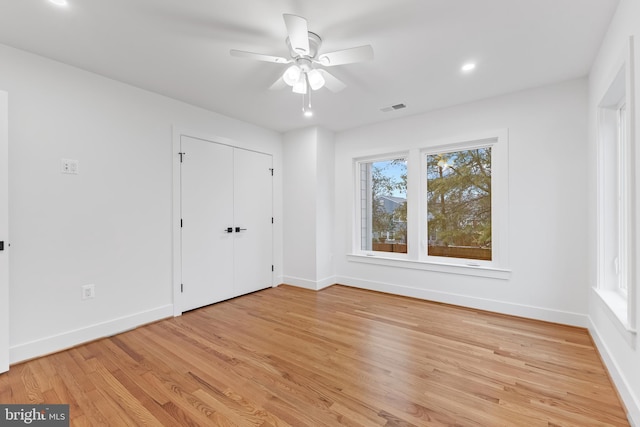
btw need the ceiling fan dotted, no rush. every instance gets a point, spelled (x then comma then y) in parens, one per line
(306, 72)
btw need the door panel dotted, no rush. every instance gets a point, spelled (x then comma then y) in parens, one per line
(207, 249)
(4, 233)
(224, 188)
(252, 214)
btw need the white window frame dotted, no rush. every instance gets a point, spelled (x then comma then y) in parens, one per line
(616, 231)
(359, 208)
(495, 203)
(417, 236)
(624, 180)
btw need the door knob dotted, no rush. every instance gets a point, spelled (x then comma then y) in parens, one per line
(238, 229)
(229, 230)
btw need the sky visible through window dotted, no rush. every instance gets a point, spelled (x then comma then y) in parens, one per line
(394, 170)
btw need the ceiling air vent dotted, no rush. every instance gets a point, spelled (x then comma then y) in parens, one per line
(393, 107)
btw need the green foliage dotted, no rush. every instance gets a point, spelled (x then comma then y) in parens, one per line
(385, 184)
(459, 198)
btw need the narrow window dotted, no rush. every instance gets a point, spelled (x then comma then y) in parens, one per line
(615, 198)
(383, 205)
(459, 204)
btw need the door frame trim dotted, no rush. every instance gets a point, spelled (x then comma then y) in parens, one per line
(178, 133)
(4, 232)
(175, 221)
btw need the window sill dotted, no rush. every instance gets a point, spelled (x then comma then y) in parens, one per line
(617, 310)
(466, 270)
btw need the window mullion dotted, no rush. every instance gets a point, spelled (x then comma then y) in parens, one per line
(415, 227)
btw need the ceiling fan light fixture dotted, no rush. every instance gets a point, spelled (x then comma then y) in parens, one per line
(292, 75)
(301, 85)
(316, 81)
(304, 56)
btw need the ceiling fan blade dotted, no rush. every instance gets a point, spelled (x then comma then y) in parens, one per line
(331, 82)
(278, 84)
(347, 56)
(298, 33)
(259, 56)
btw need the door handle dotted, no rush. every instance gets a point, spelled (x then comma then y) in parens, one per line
(229, 230)
(238, 229)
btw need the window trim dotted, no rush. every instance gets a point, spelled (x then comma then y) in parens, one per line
(424, 208)
(416, 209)
(619, 304)
(624, 196)
(459, 269)
(357, 242)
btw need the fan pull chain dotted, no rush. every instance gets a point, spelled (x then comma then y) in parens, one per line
(306, 109)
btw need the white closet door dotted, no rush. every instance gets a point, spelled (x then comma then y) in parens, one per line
(207, 212)
(253, 217)
(4, 233)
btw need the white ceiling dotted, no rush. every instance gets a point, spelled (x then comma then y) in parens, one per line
(180, 48)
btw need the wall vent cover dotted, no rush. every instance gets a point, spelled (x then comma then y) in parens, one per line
(393, 107)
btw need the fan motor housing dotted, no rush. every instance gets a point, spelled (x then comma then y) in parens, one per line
(314, 45)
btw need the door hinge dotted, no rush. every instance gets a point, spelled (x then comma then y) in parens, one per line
(181, 287)
(273, 268)
(271, 169)
(271, 220)
(180, 222)
(181, 155)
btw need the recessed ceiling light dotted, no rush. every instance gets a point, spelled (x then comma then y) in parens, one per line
(59, 2)
(469, 66)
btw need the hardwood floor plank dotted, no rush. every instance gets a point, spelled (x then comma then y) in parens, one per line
(339, 357)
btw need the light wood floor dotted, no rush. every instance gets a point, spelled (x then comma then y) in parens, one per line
(342, 356)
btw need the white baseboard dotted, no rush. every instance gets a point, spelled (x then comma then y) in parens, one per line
(278, 280)
(309, 284)
(520, 310)
(21, 352)
(630, 400)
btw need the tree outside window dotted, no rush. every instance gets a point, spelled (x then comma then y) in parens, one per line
(384, 205)
(459, 204)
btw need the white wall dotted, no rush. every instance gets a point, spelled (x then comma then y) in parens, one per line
(325, 273)
(299, 189)
(308, 207)
(111, 224)
(620, 350)
(547, 203)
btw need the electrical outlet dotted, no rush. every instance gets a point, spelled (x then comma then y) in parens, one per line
(88, 291)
